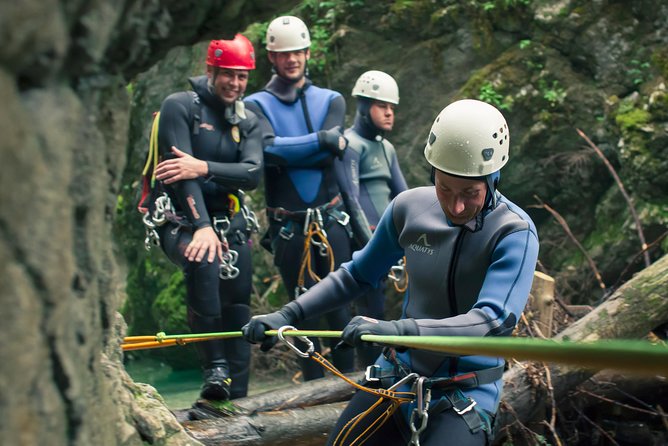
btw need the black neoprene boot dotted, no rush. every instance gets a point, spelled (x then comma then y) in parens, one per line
(216, 382)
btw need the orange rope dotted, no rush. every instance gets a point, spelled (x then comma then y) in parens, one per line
(314, 230)
(395, 399)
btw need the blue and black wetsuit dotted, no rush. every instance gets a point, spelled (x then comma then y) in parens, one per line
(372, 163)
(198, 123)
(300, 174)
(470, 280)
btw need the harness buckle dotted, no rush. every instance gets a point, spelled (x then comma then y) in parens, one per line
(344, 220)
(285, 233)
(371, 370)
(468, 408)
(277, 214)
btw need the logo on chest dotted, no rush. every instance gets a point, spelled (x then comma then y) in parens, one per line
(421, 245)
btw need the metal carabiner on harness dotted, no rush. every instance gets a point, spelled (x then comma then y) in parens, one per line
(322, 246)
(420, 411)
(307, 220)
(227, 268)
(309, 345)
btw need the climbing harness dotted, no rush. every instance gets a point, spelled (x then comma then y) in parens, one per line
(399, 275)
(313, 222)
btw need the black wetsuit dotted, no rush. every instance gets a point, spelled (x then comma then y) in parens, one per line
(201, 125)
(300, 174)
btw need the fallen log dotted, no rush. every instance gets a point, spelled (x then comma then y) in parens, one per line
(326, 390)
(293, 427)
(631, 312)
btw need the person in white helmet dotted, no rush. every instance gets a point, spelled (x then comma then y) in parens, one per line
(302, 131)
(471, 255)
(372, 164)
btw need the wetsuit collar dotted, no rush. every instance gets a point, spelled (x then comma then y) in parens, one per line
(233, 113)
(285, 90)
(365, 128)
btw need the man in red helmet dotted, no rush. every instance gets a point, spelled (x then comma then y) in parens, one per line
(211, 149)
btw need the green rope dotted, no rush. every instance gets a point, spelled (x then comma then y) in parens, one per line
(630, 355)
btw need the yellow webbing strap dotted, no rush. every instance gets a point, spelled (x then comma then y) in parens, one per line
(152, 156)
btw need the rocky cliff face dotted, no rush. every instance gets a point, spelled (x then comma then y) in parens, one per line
(64, 67)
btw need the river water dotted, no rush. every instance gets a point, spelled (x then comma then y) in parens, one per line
(180, 388)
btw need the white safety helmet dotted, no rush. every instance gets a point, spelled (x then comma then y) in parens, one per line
(287, 33)
(469, 138)
(377, 85)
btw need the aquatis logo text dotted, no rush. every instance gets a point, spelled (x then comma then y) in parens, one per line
(422, 245)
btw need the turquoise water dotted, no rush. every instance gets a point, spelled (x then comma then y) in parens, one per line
(180, 388)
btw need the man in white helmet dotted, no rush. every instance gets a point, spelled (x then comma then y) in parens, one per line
(372, 164)
(471, 255)
(302, 131)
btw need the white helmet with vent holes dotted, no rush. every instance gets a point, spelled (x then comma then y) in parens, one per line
(469, 138)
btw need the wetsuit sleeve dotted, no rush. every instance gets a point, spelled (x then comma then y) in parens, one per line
(503, 295)
(245, 173)
(297, 151)
(347, 177)
(397, 182)
(174, 130)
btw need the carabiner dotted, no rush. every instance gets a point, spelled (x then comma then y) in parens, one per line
(310, 348)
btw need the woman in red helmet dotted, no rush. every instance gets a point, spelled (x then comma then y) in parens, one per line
(212, 149)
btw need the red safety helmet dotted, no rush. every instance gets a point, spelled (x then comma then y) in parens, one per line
(237, 54)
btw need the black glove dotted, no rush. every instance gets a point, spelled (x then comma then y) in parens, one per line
(254, 330)
(362, 325)
(333, 140)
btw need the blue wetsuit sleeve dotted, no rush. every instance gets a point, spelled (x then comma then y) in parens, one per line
(175, 130)
(371, 263)
(298, 151)
(397, 182)
(503, 295)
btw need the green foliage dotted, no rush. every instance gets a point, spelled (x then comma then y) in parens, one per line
(525, 44)
(638, 71)
(489, 94)
(632, 118)
(505, 4)
(552, 92)
(169, 308)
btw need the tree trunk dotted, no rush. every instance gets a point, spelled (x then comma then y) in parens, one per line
(634, 310)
